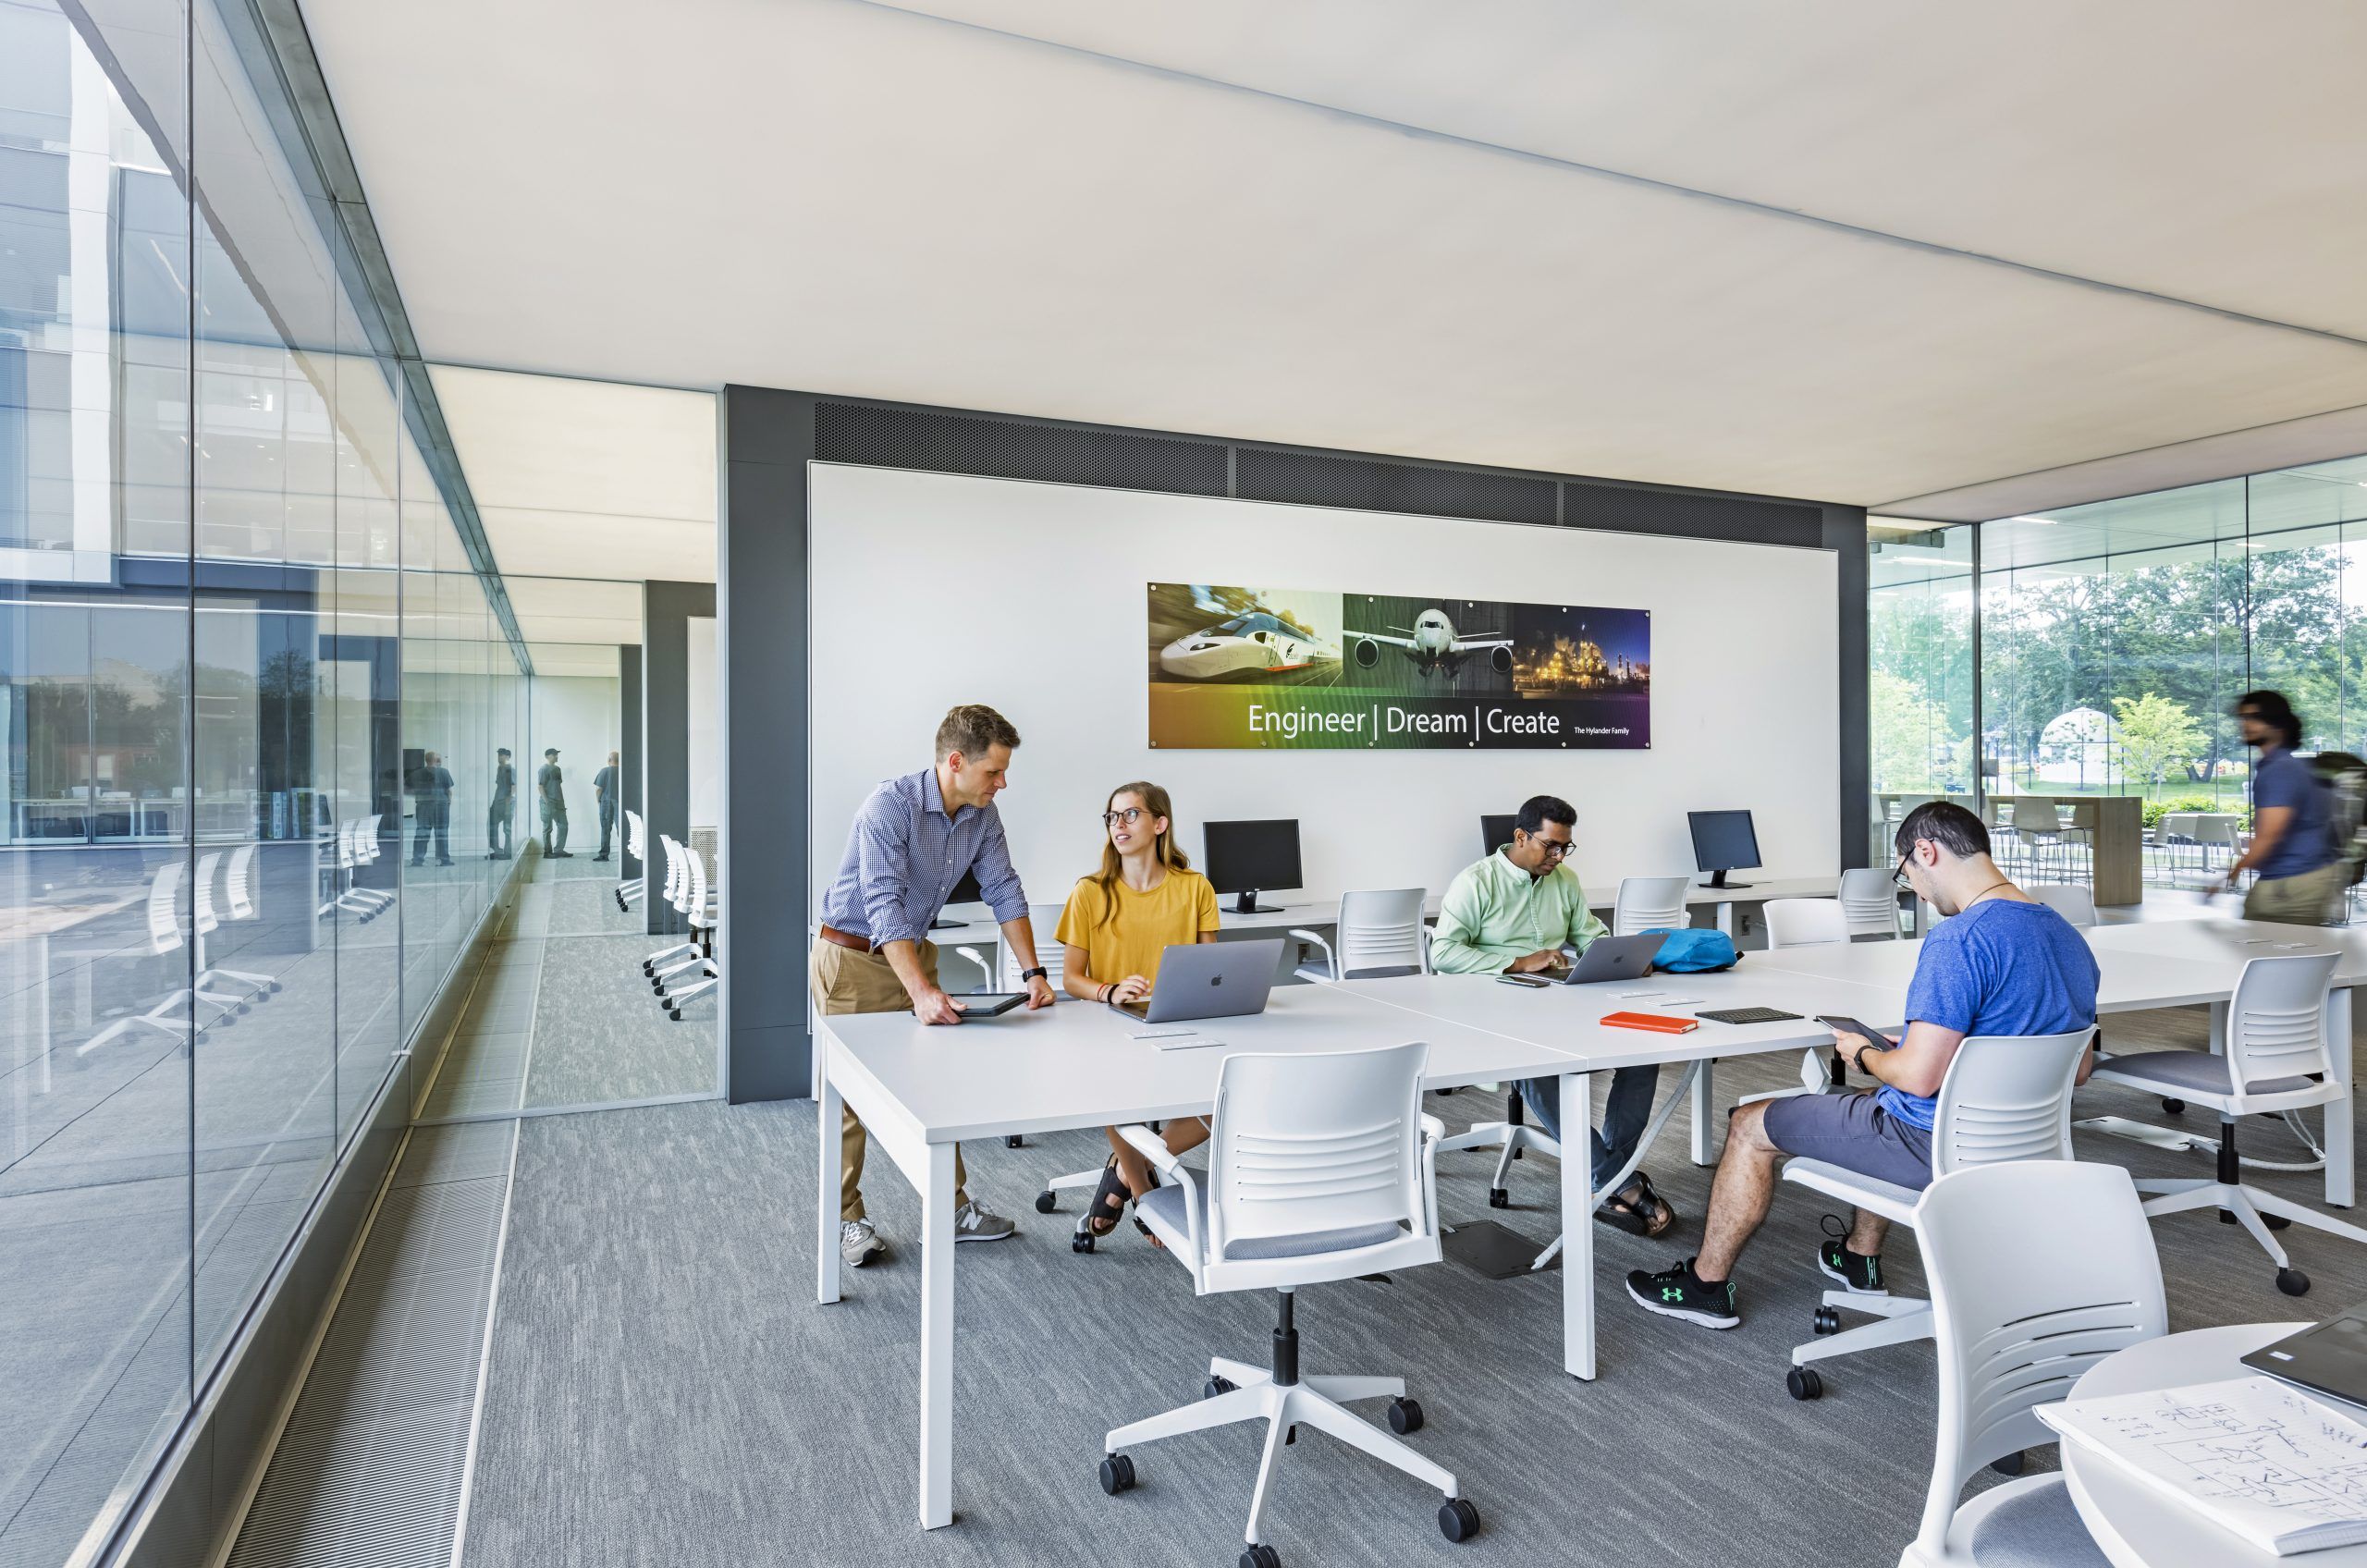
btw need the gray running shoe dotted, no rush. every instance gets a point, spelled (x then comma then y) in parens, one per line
(975, 1222)
(859, 1244)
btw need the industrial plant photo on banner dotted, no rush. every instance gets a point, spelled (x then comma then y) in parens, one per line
(1232, 667)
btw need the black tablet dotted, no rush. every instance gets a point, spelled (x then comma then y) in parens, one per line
(988, 1004)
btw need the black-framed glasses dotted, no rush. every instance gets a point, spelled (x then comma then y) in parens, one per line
(1131, 816)
(1554, 847)
(1898, 875)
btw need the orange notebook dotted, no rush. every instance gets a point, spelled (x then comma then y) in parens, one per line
(1656, 1023)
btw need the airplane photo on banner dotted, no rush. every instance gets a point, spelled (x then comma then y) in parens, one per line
(1431, 644)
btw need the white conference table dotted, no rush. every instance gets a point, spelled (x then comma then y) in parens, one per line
(2133, 1525)
(920, 1090)
(2161, 963)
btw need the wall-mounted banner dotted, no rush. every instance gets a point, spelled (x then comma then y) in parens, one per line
(1282, 668)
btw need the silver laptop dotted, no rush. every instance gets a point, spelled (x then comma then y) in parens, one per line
(1209, 980)
(1613, 958)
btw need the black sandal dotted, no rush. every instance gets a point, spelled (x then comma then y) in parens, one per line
(1155, 1184)
(1110, 1200)
(1647, 1215)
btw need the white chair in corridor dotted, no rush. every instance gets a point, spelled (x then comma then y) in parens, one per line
(2276, 1060)
(207, 922)
(1322, 1167)
(2005, 1098)
(1868, 902)
(1378, 934)
(674, 956)
(1649, 904)
(2038, 1271)
(698, 908)
(630, 890)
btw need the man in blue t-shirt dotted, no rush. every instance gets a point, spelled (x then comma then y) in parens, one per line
(2293, 850)
(2004, 965)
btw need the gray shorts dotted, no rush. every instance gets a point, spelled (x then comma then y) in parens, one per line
(1854, 1133)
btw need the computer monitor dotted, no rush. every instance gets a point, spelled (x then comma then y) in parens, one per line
(1495, 832)
(965, 891)
(1724, 841)
(1248, 857)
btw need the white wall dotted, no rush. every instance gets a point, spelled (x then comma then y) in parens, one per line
(930, 590)
(578, 714)
(706, 753)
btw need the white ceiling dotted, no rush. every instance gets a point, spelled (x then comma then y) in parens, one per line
(586, 479)
(2056, 234)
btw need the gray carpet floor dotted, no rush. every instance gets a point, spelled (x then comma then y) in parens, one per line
(664, 1391)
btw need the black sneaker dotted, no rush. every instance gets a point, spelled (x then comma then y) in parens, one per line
(1679, 1292)
(1859, 1276)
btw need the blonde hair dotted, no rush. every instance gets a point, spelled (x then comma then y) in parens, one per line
(1164, 849)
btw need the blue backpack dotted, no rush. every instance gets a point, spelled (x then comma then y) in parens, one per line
(1696, 952)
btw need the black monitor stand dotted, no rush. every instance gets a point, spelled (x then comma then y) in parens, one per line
(1248, 904)
(1718, 880)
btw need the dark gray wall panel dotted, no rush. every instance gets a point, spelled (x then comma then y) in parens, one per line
(666, 609)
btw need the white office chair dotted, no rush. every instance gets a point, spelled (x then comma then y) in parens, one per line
(676, 956)
(698, 908)
(1379, 934)
(173, 1012)
(1649, 904)
(2276, 1060)
(206, 922)
(2038, 1271)
(366, 851)
(2070, 900)
(630, 889)
(1868, 902)
(1321, 1167)
(1806, 922)
(2005, 1098)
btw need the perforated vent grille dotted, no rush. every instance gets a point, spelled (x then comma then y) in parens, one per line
(1261, 474)
(1706, 516)
(858, 432)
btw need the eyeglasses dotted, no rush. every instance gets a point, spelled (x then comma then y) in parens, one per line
(1553, 848)
(1131, 816)
(1898, 875)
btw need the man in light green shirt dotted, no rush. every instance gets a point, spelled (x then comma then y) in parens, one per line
(1513, 912)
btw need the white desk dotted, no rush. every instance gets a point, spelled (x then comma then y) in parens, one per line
(2163, 964)
(2134, 1524)
(920, 1090)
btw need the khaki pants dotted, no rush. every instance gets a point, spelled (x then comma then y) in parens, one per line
(846, 981)
(2315, 898)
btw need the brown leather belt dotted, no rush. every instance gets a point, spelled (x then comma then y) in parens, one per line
(854, 944)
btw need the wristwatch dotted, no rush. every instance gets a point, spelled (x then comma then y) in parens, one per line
(1039, 973)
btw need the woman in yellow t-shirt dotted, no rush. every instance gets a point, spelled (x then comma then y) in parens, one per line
(1117, 923)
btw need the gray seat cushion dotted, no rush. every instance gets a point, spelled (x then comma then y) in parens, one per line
(2198, 1071)
(1162, 1209)
(2036, 1527)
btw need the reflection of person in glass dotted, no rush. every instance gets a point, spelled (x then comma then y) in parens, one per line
(547, 784)
(432, 814)
(502, 815)
(604, 790)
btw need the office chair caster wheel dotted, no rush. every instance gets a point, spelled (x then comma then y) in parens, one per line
(2292, 1281)
(1047, 1202)
(1498, 1198)
(1081, 1241)
(675, 1013)
(1405, 1416)
(1458, 1520)
(1014, 1142)
(1803, 1383)
(1216, 1386)
(1117, 1475)
(2011, 1465)
(1827, 1320)
(2174, 1108)
(2277, 1221)
(1261, 1556)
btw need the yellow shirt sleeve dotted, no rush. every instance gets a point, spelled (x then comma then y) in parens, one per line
(1077, 916)
(1207, 913)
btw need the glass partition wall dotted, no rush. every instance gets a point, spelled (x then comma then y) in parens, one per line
(2112, 640)
(243, 642)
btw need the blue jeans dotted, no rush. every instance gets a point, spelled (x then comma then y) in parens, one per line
(1623, 1115)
